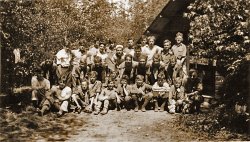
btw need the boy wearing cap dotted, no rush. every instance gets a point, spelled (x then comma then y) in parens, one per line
(141, 92)
(107, 97)
(176, 96)
(160, 91)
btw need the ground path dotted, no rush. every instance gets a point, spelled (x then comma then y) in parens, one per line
(130, 126)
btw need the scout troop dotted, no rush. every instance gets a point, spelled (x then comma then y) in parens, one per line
(104, 77)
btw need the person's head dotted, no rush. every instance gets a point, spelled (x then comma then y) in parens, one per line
(124, 80)
(84, 85)
(128, 60)
(193, 74)
(139, 80)
(82, 49)
(97, 42)
(160, 79)
(102, 47)
(119, 50)
(178, 82)
(156, 60)
(143, 40)
(113, 74)
(97, 60)
(179, 38)
(112, 42)
(92, 76)
(138, 50)
(142, 60)
(130, 42)
(151, 41)
(39, 74)
(111, 84)
(166, 45)
(62, 84)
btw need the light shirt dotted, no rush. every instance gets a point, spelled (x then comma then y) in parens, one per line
(45, 84)
(179, 50)
(151, 52)
(103, 56)
(164, 88)
(66, 92)
(63, 58)
(77, 55)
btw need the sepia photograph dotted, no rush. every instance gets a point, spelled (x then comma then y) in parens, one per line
(124, 70)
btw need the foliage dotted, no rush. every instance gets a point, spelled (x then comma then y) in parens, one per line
(220, 30)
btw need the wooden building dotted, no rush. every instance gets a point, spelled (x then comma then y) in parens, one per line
(165, 26)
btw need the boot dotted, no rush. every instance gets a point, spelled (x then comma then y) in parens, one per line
(97, 111)
(136, 106)
(104, 111)
(42, 111)
(143, 109)
(156, 106)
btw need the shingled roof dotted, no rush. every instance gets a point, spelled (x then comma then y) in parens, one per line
(170, 21)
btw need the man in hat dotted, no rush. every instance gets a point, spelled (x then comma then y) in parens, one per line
(141, 92)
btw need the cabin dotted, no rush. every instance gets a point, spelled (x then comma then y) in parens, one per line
(165, 26)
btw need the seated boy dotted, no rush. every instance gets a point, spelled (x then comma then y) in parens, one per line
(141, 92)
(107, 97)
(95, 87)
(160, 91)
(193, 91)
(58, 97)
(124, 92)
(40, 86)
(80, 95)
(176, 96)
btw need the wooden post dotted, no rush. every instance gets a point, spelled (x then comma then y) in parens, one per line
(188, 60)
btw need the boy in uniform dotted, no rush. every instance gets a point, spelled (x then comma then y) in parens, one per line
(124, 92)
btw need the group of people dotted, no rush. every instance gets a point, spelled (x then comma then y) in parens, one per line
(137, 77)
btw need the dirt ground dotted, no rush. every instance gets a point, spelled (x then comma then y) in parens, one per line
(131, 126)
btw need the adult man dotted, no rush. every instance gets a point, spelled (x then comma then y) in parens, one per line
(128, 68)
(141, 92)
(39, 86)
(119, 56)
(151, 49)
(102, 53)
(130, 48)
(63, 65)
